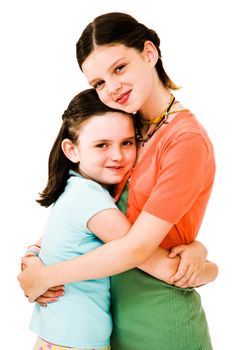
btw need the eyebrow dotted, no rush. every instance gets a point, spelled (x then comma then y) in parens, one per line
(91, 82)
(107, 140)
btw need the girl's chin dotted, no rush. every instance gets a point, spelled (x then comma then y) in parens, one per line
(115, 181)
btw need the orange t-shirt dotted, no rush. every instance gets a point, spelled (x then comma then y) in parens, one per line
(174, 178)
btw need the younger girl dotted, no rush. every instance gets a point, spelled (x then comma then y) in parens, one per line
(95, 148)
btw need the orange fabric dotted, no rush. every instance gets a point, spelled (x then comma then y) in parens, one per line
(173, 180)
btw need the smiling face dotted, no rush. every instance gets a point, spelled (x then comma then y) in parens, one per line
(106, 148)
(123, 77)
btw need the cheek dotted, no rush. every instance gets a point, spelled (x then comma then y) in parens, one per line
(106, 99)
(96, 160)
(132, 156)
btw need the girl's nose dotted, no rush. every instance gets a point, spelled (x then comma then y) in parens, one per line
(116, 154)
(113, 86)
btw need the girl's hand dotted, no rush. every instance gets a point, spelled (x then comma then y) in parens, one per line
(51, 295)
(192, 264)
(31, 278)
(30, 261)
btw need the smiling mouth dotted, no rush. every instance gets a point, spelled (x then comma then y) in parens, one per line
(123, 98)
(115, 167)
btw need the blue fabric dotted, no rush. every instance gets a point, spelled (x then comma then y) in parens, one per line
(82, 317)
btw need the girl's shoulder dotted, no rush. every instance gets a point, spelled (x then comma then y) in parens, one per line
(185, 124)
(78, 181)
(80, 191)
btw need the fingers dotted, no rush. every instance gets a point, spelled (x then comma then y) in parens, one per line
(191, 264)
(50, 296)
(57, 288)
(22, 266)
(181, 272)
(28, 255)
(185, 281)
(176, 251)
(53, 294)
(191, 279)
(43, 304)
(31, 300)
(44, 301)
(23, 263)
(186, 277)
(30, 261)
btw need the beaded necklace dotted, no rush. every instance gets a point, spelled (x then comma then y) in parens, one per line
(155, 123)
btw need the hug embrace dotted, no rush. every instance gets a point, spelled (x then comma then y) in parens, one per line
(129, 179)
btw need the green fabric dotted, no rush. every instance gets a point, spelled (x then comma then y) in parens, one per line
(123, 200)
(149, 314)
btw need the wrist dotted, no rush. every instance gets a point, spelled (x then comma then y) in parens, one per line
(41, 279)
(33, 250)
(201, 247)
(209, 274)
(47, 276)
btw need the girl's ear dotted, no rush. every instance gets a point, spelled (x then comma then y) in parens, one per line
(70, 150)
(151, 53)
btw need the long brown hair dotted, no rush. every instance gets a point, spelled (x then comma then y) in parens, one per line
(120, 28)
(82, 107)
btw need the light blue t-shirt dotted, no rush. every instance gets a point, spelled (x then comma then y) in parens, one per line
(81, 318)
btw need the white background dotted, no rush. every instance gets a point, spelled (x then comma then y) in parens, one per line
(38, 77)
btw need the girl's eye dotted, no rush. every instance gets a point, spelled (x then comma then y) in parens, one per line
(102, 145)
(98, 84)
(118, 69)
(128, 143)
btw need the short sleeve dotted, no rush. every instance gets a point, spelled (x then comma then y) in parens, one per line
(90, 200)
(181, 178)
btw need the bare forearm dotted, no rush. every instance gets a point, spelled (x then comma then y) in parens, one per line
(209, 273)
(110, 259)
(81, 268)
(160, 266)
(114, 257)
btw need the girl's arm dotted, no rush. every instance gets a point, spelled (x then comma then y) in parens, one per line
(115, 226)
(182, 266)
(112, 258)
(34, 249)
(189, 262)
(160, 265)
(53, 293)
